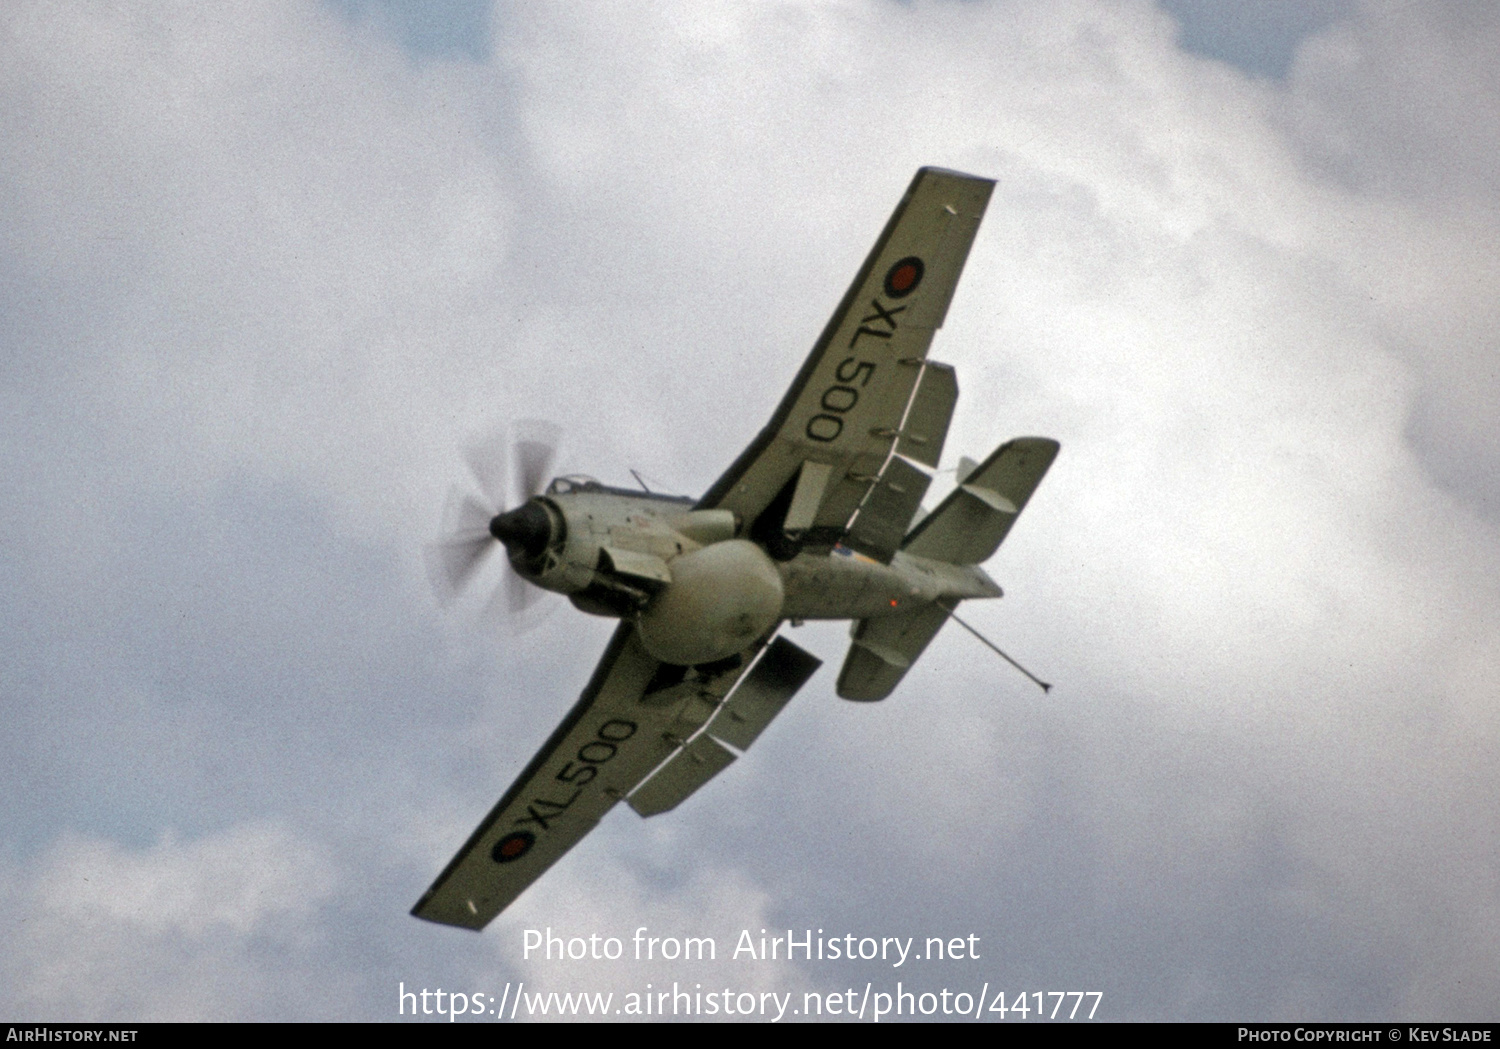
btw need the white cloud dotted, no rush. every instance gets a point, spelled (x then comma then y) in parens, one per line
(200, 930)
(261, 243)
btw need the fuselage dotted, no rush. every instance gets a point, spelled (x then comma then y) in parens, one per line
(700, 590)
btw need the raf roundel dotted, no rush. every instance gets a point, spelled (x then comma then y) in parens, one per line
(902, 278)
(513, 846)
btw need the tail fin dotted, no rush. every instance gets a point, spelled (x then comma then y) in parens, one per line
(969, 526)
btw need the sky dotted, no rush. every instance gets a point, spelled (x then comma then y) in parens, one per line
(265, 269)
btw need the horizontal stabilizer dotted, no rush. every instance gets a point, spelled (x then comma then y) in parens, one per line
(991, 498)
(884, 650)
(969, 526)
(926, 425)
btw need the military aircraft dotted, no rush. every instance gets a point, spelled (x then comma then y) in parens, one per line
(814, 520)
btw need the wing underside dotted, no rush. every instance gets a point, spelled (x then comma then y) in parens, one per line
(866, 390)
(727, 727)
(639, 724)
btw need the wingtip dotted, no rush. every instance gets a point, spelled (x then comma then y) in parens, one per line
(951, 173)
(417, 912)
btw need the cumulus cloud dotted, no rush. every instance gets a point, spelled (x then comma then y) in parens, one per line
(1397, 106)
(264, 272)
(200, 930)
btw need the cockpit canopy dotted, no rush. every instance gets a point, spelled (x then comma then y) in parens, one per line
(573, 483)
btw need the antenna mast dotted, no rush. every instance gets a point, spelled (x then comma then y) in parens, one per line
(1044, 685)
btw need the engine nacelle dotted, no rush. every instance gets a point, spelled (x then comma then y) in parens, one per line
(721, 599)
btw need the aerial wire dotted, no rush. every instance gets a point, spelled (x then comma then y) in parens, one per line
(996, 648)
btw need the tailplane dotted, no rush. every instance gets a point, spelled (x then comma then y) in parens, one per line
(966, 529)
(884, 650)
(969, 526)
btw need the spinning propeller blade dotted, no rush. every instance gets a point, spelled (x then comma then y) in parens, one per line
(536, 447)
(466, 542)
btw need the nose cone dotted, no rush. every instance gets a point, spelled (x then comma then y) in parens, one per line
(525, 531)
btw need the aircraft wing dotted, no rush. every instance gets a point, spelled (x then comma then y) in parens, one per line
(636, 716)
(829, 442)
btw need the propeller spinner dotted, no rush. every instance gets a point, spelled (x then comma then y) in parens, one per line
(472, 524)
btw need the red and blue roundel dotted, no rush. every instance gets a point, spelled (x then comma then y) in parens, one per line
(513, 846)
(902, 278)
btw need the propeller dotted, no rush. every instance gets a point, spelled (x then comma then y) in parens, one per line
(475, 524)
